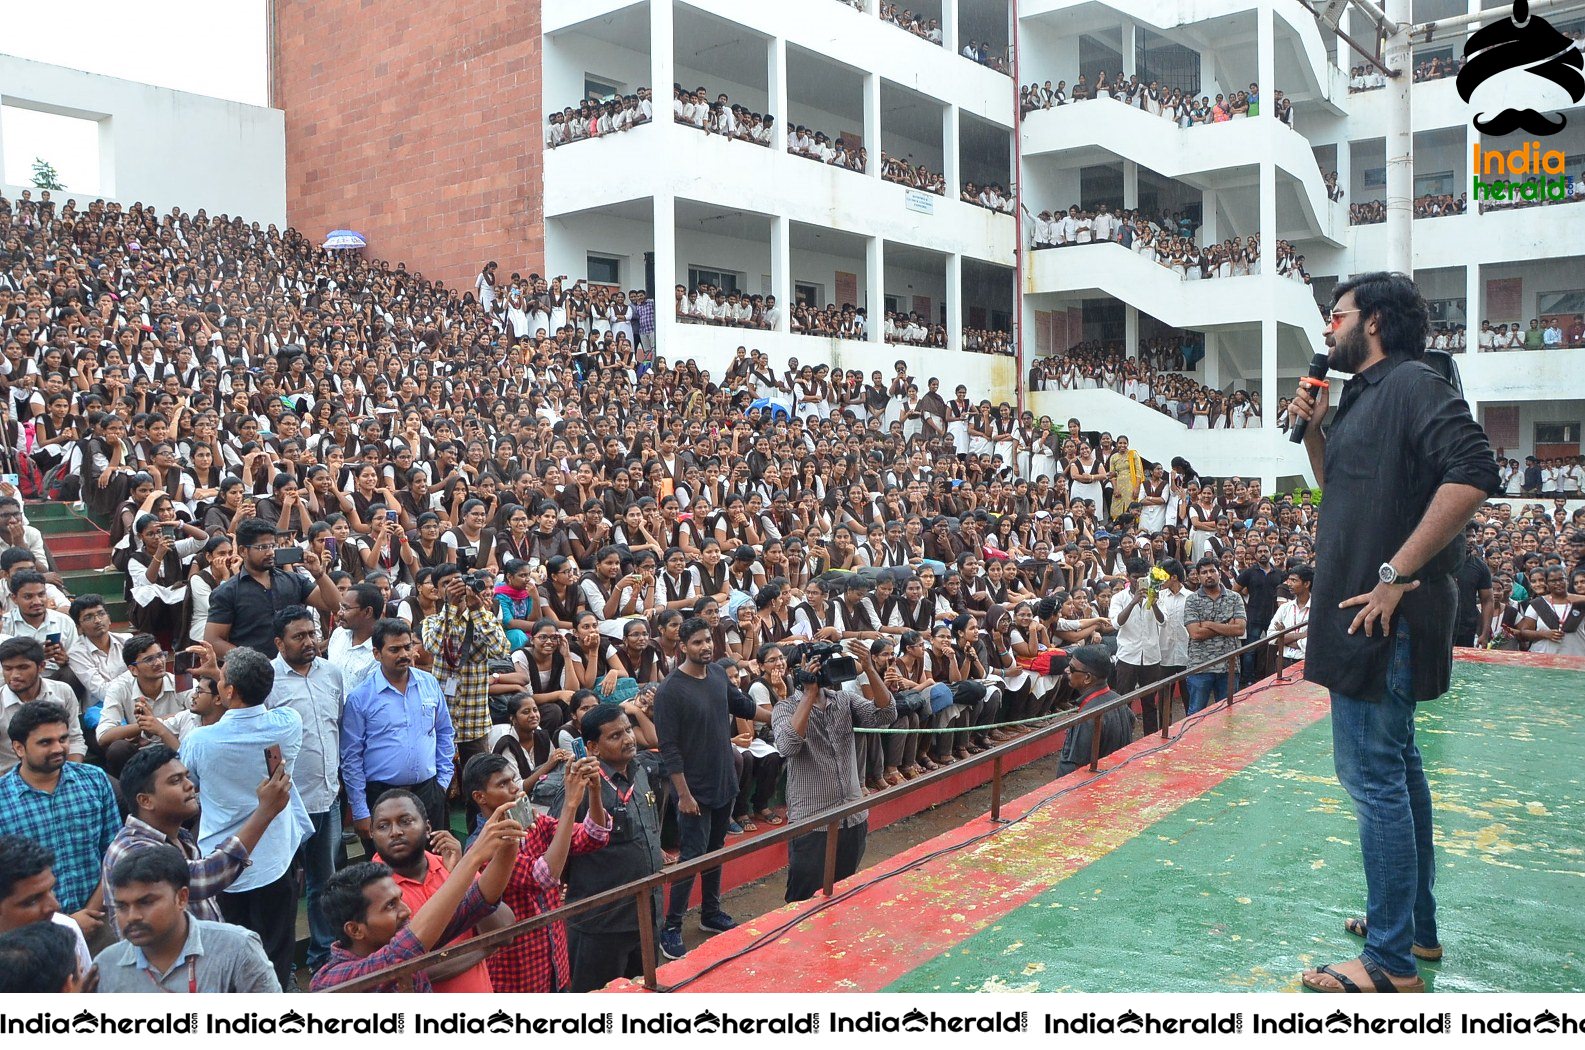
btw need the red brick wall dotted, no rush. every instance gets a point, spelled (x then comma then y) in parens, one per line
(418, 125)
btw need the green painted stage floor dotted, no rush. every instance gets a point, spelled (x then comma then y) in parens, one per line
(1227, 861)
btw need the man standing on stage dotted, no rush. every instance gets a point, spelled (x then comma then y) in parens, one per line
(1404, 467)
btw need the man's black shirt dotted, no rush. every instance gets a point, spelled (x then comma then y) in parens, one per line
(693, 723)
(250, 608)
(1260, 604)
(1401, 432)
(1473, 577)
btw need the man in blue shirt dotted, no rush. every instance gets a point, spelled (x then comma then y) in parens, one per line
(312, 687)
(66, 806)
(396, 732)
(227, 760)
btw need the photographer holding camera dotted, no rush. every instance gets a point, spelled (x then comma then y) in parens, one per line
(813, 730)
(463, 637)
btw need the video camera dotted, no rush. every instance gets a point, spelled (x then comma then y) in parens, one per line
(833, 666)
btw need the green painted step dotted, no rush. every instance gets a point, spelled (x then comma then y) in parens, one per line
(65, 526)
(111, 584)
(49, 510)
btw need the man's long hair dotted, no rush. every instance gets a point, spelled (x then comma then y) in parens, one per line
(1398, 307)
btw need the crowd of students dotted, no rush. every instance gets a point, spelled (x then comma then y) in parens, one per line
(593, 118)
(1153, 379)
(818, 146)
(412, 554)
(1178, 105)
(1369, 78)
(914, 176)
(1557, 332)
(992, 196)
(695, 109)
(1169, 242)
(1426, 206)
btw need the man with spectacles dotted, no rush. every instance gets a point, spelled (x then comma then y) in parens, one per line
(242, 609)
(1404, 467)
(95, 658)
(1088, 668)
(142, 696)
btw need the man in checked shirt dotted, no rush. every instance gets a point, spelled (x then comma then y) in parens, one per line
(376, 930)
(537, 961)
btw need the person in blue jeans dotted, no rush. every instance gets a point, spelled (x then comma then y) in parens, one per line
(1214, 617)
(1404, 466)
(693, 711)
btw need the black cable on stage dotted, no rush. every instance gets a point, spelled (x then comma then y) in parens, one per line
(1184, 725)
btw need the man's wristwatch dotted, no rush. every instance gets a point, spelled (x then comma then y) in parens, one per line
(1387, 574)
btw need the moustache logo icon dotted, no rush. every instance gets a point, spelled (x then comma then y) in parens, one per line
(1521, 42)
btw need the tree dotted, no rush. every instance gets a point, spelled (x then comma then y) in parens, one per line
(45, 177)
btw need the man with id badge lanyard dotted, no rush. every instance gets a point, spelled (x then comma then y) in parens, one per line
(603, 944)
(463, 637)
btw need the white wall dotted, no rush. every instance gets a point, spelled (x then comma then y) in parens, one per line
(162, 147)
(1533, 412)
(568, 57)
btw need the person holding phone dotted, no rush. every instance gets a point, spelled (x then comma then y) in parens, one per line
(242, 609)
(538, 961)
(227, 760)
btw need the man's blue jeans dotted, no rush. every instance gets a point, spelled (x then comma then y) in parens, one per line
(1202, 689)
(318, 857)
(1378, 764)
(699, 835)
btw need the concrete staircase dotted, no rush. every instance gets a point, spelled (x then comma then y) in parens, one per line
(81, 549)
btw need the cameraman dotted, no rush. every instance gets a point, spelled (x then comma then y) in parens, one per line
(462, 638)
(813, 729)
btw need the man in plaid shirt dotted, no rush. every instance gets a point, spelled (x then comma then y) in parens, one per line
(462, 638)
(375, 930)
(537, 961)
(66, 806)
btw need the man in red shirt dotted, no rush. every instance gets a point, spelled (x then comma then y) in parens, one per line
(403, 841)
(375, 929)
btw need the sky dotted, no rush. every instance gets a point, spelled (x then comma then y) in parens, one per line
(210, 47)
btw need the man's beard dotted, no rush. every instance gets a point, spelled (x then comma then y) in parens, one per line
(1349, 351)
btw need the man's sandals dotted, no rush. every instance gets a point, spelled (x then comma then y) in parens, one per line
(1330, 979)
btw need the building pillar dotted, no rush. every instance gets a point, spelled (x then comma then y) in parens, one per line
(1130, 184)
(950, 142)
(776, 60)
(1269, 279)
(872, 122)
(1131, 331)
(875, 287)
(949, 26)
(1208, 223)
(1130, 47)
(781, 269)
(1474, 308)
(1265, 59)
(954, 302)
(662, 60)
(1211, 364)
(664, 217)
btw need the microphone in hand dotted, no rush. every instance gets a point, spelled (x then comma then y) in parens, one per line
(1316, 377)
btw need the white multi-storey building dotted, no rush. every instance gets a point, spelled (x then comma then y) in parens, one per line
(1257, 178)
(667, 205)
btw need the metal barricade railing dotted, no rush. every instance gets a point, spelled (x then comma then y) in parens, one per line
(830, 821)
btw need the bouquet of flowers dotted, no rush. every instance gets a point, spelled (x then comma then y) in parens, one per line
(1153, 582)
